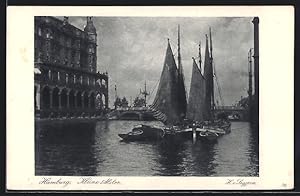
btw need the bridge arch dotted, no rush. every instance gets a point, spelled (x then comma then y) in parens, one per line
(64, 98)
(85, 100)
(46, 93)
(98, 101)
(92, 100)
(55, 97)
(103, 98)
(130, 115)
(79, 99)
(72, 99)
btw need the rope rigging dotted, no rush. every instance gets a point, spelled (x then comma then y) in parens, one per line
(153, 89)
(218, 86)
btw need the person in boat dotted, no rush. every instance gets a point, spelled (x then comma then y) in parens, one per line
(194, 127)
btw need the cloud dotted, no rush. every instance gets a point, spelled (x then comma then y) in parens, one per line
(132, 50)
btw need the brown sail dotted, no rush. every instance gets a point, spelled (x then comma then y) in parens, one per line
(196, 103)
(166, 100)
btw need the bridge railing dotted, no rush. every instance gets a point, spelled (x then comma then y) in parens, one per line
(229, 108)
(132, 108)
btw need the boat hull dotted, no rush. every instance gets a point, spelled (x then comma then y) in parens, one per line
(200, 133)
(221, 126)
(145, 133)
(153, 133)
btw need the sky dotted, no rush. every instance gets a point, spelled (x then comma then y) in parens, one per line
(132, 51)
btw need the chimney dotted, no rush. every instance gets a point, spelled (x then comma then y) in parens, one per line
(66, 20)
(256, 55)
(255, 112)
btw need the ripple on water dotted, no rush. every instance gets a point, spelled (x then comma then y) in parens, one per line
(96, 149)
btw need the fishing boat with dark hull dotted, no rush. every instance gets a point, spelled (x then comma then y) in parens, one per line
(144, 133)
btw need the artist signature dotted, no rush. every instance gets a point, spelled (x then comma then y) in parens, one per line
(241, 182)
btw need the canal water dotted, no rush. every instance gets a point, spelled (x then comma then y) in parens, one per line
(95, 149)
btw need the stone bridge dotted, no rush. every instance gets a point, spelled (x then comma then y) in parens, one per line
(236, 112)
(143, 113)
(139, 113)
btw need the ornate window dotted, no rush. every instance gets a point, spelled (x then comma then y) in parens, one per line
(39, 31)
(88, 81)
(49, 74)
(58, 76)
(80, 79)
(48, 35)
(67, 78)
(90, 59)
(74, 78)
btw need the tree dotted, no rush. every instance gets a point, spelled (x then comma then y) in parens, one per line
(124, 102)
(139, 102)
(118, 102)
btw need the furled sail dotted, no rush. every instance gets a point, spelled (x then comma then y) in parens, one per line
(196, 103)
(208, 75)
(166, 99)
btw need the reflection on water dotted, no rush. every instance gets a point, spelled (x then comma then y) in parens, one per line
(95, 149)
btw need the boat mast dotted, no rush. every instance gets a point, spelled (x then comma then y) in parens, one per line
(182, 93)
(145, 93)
(211, 62)
(179, 56)
(200, 59)
(116, 96)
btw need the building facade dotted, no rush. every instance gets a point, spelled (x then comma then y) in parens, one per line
(66, 81)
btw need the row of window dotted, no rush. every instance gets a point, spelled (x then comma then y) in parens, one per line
(56, 54)
(62, 39)
(72, 78)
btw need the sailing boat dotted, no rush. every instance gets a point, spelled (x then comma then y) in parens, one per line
(167, 102)
(201, 99)
(170, 106)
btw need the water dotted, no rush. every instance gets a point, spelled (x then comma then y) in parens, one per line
(95, 149)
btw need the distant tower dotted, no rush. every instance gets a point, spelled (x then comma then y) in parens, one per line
(250, 78)
(92, 45)
(145, 93)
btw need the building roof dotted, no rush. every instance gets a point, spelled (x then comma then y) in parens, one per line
(37, 71)
(90, 28)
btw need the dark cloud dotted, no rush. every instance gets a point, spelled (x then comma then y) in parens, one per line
(132, 50)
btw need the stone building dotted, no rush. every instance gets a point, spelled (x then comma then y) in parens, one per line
(66, 81)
